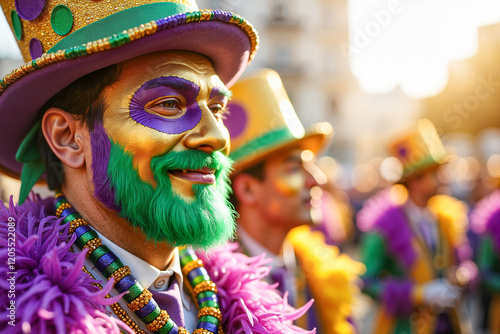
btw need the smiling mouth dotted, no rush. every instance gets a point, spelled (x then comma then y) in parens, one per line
(203, 175)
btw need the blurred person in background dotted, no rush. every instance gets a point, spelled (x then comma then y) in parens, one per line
(276, 185)
(336, 221)
(415, 247)
(485, 221)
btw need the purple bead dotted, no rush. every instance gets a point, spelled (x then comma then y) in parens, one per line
(105, 260)
(125, 283)
(181, 18)
(81, 230)
(196, 272)
(146, 309)
(29, 9)
(68, 211)
(208, 326)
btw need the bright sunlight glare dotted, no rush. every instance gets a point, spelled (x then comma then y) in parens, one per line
(410, 43)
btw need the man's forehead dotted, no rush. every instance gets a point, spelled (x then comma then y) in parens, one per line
(188, 65)
(163, 61)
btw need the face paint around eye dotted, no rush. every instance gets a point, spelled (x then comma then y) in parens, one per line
(290, 184)
(170, 88)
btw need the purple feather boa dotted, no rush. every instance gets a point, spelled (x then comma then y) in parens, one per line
(54, 295)
(382, 214)
(486, 218)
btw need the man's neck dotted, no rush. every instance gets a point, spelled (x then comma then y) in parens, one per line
(118, 229)
(269, 235)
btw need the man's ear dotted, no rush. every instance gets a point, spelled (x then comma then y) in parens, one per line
(246, 188)
(64, 136)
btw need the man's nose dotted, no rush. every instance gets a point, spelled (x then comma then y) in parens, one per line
(210, 135)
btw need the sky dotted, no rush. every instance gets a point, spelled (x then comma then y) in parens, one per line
(410, 43)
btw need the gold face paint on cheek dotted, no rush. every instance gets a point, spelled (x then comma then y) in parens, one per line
(182, 188)
(289, 184)
(141, 142)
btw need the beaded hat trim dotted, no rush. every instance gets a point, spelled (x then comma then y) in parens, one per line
(130, 35)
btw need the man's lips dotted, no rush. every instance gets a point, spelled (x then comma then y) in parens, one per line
(203, 175)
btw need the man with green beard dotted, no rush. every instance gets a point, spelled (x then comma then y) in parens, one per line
(123, 118)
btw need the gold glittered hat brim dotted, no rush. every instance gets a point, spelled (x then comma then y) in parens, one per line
(227, 39)
(316, 141)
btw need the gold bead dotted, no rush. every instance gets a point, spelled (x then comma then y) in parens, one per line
(212, 311)
(120, 273)
(61, 208)
(141, 300)
(205, 286)
(191, 265)
(92, 245)
(159, 321)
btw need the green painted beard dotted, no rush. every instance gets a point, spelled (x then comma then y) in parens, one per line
(162, 214)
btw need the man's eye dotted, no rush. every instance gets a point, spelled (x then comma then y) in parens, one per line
(219, 110)
(170, 107)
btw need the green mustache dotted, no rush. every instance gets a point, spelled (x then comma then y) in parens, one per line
(191, 160)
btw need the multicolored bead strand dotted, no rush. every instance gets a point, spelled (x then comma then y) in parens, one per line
(139, 299)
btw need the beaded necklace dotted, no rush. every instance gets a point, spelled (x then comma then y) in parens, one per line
(139, 299)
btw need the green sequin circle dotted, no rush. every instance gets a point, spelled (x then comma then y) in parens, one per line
(61, 20)
(16, 24)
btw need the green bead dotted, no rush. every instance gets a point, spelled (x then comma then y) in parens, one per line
(60, 201)
(134, 292)
(166, 328)
(61, 20)
(71, 217)
(34, 64)
(86, 237)
(209, 318)
(188, 258)
(16, 24)
(98, 252)
(209, 303)
(205, 294)
(113, 41)
(112, 268)
(151, 316)
(82, 50)
(198, 279)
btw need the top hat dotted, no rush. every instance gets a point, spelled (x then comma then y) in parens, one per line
(262, 121)
(419, 149)
(63, 40)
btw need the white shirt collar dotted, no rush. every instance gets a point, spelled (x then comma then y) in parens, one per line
(416, 214)
(254, 248)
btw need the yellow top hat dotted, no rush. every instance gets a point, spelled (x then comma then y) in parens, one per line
(262, 121)
(419, 149)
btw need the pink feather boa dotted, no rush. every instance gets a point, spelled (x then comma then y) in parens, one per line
(53, 294)
(249, 304)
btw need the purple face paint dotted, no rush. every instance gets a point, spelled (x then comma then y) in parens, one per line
(237, 120)
(165, 87)
(101, 147)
